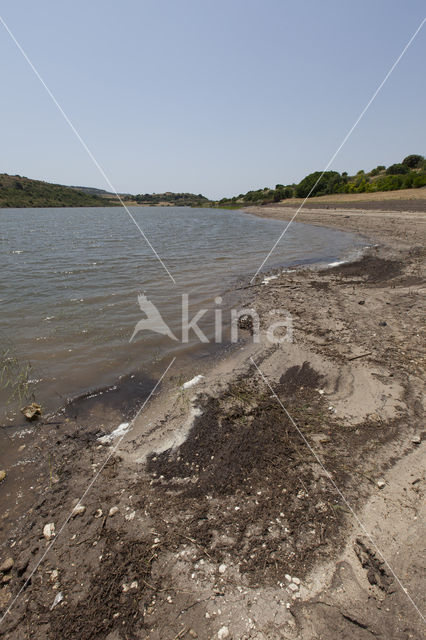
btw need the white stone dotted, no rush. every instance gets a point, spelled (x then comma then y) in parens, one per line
(223, 633)
(416, 439)
(49, 530)
(78, 510)
(222, 568)
(130, 516)
(287, 577)
(113, 511)
(296, 580)
(381, 484)
(293, 587)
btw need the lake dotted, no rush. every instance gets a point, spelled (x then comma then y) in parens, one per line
(70, 278)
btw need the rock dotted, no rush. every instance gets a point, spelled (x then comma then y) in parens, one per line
(416, 440)
(193, 633)
(130, 516)
(7, 578)
(98, 513)
(222, 568)
(381, 484)
(78, 510)
(113, 511)
(287, 577)
(32, 411)
(223, 633)
(134, 584)
(7, 565)
(2, 475)
(5, 595)
(293, 587)
(361, 302)
(58, 598)
(296, 580)
(383, 323)
(49, 530)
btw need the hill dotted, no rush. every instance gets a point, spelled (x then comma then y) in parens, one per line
(171, 199)
(408, 174)
(18, 191)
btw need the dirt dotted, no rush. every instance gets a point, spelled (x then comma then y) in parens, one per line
(395, 204)
(244, 510)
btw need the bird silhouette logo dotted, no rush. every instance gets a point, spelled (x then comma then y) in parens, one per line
(153, 321)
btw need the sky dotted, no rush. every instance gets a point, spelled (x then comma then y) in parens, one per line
(208, 96)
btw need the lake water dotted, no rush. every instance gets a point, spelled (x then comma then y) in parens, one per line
(70, 280)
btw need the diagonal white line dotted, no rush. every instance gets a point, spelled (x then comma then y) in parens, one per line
(345, 139)
(338, 491)
(86, 148)
(89, 486)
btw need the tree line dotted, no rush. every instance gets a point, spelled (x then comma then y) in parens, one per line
(408, 174)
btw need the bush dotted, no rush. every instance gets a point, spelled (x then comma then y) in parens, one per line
(326, 182)
(419, 181)
(413, 161)
(397, 169)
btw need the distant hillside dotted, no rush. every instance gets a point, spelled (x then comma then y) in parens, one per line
(408, 174)
(171, 199)
(17, 191)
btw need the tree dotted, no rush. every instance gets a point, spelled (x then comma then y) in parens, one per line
(413, 161)
(318, 182)
(397, 169)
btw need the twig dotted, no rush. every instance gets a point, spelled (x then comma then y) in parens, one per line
(363, 355)
(196, 544)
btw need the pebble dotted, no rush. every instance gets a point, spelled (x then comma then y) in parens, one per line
(381, 484)
(134, 584)
(130, 516)
(2, 475)
(296, 580)
(78, 510)
(193, 633)
(98, 513)
(223, 633)
(293, 587)
(222, 568)
(287, 577)
(7, 578)
(49, 530)
(113, 511)
(7, 565)
(416, 439)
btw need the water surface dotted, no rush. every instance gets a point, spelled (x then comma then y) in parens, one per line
(70, 279)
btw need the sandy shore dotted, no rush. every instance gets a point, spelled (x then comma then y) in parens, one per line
(241, 508)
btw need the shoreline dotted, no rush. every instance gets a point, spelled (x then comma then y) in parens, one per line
(207, 513)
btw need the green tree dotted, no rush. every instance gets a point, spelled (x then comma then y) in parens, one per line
(413, 161)
(317, 184)
(397, 169)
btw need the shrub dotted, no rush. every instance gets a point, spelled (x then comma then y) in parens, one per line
(397, 169)
(325, 181)
(413, 161)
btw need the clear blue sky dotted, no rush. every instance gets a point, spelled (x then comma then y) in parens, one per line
(208, 96)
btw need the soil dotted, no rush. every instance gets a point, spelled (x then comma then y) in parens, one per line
(243, 509)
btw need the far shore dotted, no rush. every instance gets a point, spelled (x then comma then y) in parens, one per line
(262, 498)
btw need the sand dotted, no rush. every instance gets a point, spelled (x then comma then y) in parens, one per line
(279, 497)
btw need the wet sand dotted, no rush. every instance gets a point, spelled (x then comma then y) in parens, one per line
(234, 518)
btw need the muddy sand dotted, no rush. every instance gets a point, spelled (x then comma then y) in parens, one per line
(279, 497)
